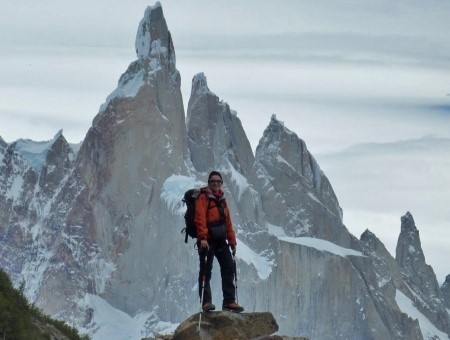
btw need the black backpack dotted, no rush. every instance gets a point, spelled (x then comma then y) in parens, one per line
(190, 199)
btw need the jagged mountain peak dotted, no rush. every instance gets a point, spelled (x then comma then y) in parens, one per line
(215, 133)
(409, 245)
(446, 284)
(153, 37)
(385, 265)
(368, 235)
(58, 143)
(3, 146)
(445, 291)
(58, 134)
(276, 129)
(371, 243)
(279, 145)
(275, 120)
(200, 85)
(408, 223)
(2, 142)
(35, 152)
(293, 171)
(155, 53)
(277, 125)
(447, 280)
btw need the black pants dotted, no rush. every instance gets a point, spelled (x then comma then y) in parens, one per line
(222, 252)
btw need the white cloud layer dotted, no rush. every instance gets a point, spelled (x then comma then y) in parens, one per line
(382, 181)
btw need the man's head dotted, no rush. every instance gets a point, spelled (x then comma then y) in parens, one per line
(215, 180)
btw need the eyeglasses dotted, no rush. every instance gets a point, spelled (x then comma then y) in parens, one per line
(218, 181)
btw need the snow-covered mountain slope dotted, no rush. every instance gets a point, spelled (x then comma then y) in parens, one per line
(96, 232)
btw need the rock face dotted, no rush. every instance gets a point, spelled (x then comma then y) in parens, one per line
(31, 175)
(445, 291)
(97, 232)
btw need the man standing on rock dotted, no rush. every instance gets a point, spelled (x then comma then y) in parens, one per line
(215, 237)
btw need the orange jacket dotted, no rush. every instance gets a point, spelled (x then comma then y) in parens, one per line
(205, 216)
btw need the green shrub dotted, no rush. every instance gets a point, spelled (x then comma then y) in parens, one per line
(18, 318)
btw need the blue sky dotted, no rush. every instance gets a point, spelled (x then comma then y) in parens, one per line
(366, 85)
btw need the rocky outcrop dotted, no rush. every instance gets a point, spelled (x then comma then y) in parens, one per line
(225, 326)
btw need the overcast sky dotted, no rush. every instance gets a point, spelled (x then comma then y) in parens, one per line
(366, 85)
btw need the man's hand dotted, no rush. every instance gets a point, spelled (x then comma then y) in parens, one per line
(233, 249)
(204, 245)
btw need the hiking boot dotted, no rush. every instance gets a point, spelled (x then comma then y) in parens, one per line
(208, 306)
(233, 307)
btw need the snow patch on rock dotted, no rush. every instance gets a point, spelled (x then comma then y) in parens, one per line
(34, 152)
(322, 245)
(262, 265)
(429, 331)
(15, 190)
(240, 182)
(111, 323)
(126, 89)
(173, 191)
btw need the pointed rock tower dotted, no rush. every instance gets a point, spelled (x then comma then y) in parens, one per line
(58, 164)
(420, 276)
(298, 185)
(215, 134)
(217, 140)
(110, 210)
(385, 265)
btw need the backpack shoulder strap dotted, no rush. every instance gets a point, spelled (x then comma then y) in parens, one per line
(221, 205)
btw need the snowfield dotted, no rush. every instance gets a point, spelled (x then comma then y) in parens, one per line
(113, 324)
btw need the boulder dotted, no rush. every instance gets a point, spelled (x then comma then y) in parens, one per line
(227, 326)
